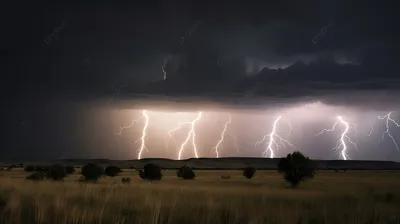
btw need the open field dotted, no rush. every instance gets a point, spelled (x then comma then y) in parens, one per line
(342, 197)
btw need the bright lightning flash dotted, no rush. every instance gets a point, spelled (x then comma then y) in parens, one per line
(170, 133)
(142, 139)
(387, 131)
(341, 143)
(272, 142)
(221, 140)
(191, 135)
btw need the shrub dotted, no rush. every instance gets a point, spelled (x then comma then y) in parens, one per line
(296, 168)
(151, 172)
(36, 176)
(186, 172)
(9, 168)
(70, 169)
(226, 177)
(126, 180)
(57, 172)
(92, 172)
(249, 172)
(29, 168)
(21, 165)
(112, 171)
(42, 168)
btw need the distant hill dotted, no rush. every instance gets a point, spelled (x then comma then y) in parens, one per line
(236, 163)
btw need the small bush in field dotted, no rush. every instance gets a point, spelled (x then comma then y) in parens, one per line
(29, 168)
(70, 169)
(92, 172)
(36, 176)
(249, 172)
(186, 172)
(296, 168)
(126, 180)
(57, 172)
(112, 171)
(151, 172)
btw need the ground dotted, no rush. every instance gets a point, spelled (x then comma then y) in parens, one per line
(331, 197)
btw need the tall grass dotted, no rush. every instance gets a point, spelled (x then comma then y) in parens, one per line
(330, 198)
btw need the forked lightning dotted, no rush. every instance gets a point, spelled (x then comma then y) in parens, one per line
(191, 135)
(142, 139)
(271, 144)
(388, 121)
(341, 143)
(221, 140)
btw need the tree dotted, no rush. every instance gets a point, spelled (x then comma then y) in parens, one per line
(249, 172)
(186, 173)
(29, 168)
(296, 168)
(92, 172)
(57, 172)
(151, 172)
(112, 171)
(70, 169)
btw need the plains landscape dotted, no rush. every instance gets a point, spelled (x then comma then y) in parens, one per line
(215, 196)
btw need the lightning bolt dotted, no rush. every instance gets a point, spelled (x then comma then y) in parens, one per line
(163, 66)
(272, 142)
(341, 143)
(235, 143)
(387, 131)
(170, 133)
(142, 139)
(144, 134)
(191, 135)
(221, 140)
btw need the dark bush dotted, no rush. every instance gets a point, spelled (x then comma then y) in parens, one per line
(126, 180)
(9, 168)
(249, 172)
(57, 172)
(296, 168)
(186, 173)
(151, 172)
(226, 177)
(92, 172)
(70, 169)
(29, 168)
(36, 176)
(112, 171)
(21, 165)
(42, 168)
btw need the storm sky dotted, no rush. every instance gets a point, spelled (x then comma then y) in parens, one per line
(74, 74)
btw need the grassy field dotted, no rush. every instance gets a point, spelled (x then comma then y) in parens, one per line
(344, 197)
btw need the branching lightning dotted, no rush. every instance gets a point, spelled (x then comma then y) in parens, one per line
(142, 139)
(388, 120)
(170, 133)
(221, 140)
(341, 143)
(272, 142)
(191, 135)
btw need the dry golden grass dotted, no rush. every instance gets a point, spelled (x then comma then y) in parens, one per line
(351, 197)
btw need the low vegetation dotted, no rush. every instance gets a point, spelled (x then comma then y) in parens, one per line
(92, 172)
(249, 172)
(296, 168)
(330, 198)
(150, 172)
(186, 173)
(112, 171)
